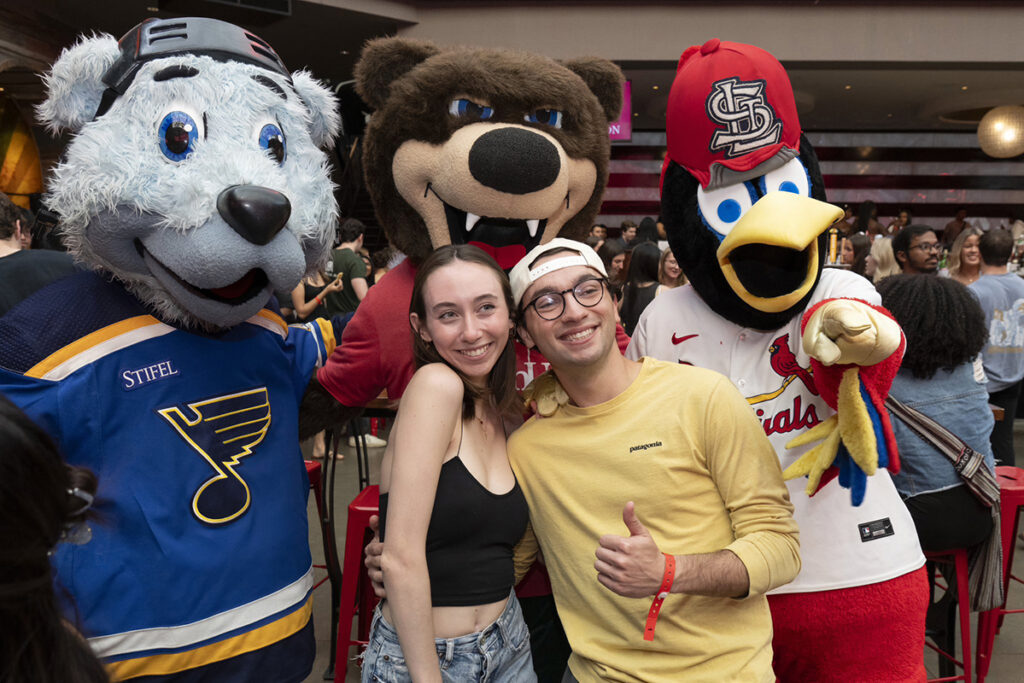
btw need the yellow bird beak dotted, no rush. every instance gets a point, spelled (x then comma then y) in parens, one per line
(779, 219)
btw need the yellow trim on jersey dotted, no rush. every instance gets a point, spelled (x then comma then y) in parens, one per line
(761, 398)
(157, 665)
(274, 318)
(327, 331)
(85, 343)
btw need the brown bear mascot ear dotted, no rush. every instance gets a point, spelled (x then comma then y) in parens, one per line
(604, 80)
(384, 60)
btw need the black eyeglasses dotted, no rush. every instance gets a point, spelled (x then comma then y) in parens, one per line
(933, 246)
(551, 305)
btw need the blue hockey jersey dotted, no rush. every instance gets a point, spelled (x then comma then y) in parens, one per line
(200, 556)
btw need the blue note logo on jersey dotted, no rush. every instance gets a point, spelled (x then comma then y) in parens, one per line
(222, 430)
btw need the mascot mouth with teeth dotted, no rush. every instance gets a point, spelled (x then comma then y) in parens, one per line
(192, 189)
(743, 203)
(499, 149)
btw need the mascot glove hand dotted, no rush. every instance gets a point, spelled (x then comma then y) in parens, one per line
(544, 395)
(848, 332)
(817, 460)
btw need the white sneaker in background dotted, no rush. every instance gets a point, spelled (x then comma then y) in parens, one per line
(371, 441)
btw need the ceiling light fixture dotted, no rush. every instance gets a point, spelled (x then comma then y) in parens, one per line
(847, 87)
(1001, 132)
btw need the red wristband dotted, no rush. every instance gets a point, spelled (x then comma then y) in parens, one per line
(666, 586)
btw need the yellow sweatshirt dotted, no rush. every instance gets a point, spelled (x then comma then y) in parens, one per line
(683, 444)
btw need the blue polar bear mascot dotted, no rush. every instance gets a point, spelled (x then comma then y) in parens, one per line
(193, 188)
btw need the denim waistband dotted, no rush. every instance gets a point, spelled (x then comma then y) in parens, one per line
(493, 636)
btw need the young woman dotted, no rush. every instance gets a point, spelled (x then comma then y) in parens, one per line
(902, 220)
(881, 261)
(641, 285)
(308, 296)
(450, 509)
(42, 502)
(867, 219)
(613, 255)
(855, 252)
(670, 275)
(965, 257)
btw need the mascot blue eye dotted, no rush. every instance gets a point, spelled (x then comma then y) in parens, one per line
(723, 207)
(272, 140)
(470, 109)
(729, 211)
(790, 177)
(178, 134)
(550, 117)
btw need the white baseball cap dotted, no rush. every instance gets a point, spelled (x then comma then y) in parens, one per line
(522, 276)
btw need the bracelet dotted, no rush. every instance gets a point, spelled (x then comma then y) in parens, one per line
(663, 591)
(317, 299)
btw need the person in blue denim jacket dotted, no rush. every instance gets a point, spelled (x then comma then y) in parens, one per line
(945, 330)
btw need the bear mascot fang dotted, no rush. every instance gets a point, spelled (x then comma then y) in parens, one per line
(192, 189)
(810, 348)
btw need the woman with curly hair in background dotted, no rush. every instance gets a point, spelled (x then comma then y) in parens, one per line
(945, 330)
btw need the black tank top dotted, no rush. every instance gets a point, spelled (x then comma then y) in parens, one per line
(470, 538)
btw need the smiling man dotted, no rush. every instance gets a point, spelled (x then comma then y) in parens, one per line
(685, 506)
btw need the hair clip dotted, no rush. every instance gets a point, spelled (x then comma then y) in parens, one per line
(78, 533)
(84, 496)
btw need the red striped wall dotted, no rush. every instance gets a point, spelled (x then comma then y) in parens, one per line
(931, 174)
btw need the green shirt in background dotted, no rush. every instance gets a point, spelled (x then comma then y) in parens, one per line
(350, 265)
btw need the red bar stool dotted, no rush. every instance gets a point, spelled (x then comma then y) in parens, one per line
(1011, 499)
(314, 472)
(959, 558)
(355, 583)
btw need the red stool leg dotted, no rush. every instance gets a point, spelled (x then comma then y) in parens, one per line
(986, 641)
(964, 605)
(356, 535)
(1011, 494)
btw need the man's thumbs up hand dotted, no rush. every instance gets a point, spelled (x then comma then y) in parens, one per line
(632, 522)
(630, 566)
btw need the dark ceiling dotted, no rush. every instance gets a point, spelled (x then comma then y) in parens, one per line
(326, 39)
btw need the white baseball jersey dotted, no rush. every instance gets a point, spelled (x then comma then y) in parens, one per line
(840, 545)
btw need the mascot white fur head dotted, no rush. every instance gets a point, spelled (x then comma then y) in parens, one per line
(195, 176)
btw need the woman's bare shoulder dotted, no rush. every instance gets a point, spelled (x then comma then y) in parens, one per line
(436, 380)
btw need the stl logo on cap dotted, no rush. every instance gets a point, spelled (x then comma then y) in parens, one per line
(731, 108)
(749, 120)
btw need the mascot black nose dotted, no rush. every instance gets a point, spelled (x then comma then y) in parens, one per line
(256, 213)
(514, 160)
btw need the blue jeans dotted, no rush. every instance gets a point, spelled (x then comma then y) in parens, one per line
(498, 654)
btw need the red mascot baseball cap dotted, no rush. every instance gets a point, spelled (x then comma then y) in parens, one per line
(731, 105)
